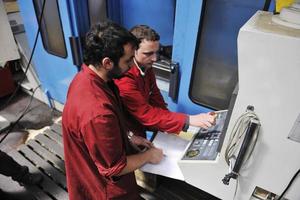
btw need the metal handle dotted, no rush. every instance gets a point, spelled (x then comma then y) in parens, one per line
(174, 81)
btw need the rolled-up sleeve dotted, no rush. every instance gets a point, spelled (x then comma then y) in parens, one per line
(104, 143)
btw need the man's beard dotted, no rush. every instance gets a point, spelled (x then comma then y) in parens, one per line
(116, 73)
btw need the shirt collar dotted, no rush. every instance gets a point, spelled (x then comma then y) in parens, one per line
(91, 73)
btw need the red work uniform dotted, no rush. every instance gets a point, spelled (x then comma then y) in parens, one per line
(95, 141)
(145, 106)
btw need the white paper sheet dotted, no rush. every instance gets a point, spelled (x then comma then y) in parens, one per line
(173, 148)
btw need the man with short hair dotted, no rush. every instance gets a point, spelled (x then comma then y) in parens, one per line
(141, 96)
(98, 157)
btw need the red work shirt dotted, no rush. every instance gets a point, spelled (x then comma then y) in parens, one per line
(145, 105)
(95, 141)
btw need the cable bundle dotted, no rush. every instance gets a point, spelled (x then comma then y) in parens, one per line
(237, 134)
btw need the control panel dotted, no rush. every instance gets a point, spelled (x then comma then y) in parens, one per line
(205, 144)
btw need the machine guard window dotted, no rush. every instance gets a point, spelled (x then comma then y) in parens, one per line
(51, 27)
(97, 11)
(214, 74)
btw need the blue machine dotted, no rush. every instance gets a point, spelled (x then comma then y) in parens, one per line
(53, 71)
(198, 31)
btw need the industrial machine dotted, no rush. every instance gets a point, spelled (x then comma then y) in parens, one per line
(268, 57)
(223, 56)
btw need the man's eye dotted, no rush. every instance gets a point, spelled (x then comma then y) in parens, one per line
(149, 53)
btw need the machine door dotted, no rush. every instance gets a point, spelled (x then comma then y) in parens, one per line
(205, 46)
(57, 54)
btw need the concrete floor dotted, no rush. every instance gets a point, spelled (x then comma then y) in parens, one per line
(38, 116)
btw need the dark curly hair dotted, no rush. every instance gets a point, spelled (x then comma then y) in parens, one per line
(142, 32)
(106, 39)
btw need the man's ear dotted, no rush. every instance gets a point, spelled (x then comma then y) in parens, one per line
(107, 63)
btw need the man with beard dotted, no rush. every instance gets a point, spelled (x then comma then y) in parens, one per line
(98, 156)
(142, 98)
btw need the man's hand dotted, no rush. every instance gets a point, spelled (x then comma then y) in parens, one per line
(140, 141)
(155, 155)
(204, 120)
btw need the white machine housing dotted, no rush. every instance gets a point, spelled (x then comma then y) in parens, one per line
(269, 80)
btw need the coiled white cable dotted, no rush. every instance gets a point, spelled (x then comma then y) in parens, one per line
(238, 131)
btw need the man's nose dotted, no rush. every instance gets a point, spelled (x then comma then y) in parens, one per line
(154, 57)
